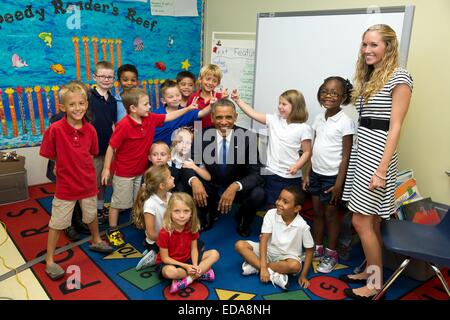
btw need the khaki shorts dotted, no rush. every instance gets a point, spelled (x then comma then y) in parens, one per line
(98, 164)
(62, 211)
(125, 191)
(273, 257)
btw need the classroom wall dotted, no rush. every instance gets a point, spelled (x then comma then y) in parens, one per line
(425, 139)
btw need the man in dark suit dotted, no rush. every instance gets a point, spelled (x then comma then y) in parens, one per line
(230, 154)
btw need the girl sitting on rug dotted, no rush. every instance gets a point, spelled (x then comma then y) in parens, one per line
(179, 258)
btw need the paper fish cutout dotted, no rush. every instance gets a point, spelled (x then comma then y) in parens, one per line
(138, 44)
(47, 37)
(170, 41)
(58, 68)
(17, 62)
(161, 65)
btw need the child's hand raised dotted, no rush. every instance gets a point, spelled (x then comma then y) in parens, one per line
(235, 95)
(224, 93)
(194, 104)
(213, 98)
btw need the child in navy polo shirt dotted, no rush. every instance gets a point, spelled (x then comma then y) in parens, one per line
(130, 145)
(103, 108)
(171, 98)
(72, 143)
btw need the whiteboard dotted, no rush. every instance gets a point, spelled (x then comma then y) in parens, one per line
(234, 53)
(298, 50)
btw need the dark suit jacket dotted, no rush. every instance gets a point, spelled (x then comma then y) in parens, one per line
(243, 163)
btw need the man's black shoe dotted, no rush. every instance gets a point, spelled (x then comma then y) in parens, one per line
(72, 234)
(208, 223)
(243, 230)
(82, 227)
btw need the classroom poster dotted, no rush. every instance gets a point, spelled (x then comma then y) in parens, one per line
(236, 58)
(48, 43)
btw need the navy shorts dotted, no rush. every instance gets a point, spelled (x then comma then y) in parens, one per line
(274, 184)
(318, 184)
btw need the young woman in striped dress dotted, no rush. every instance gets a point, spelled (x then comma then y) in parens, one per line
(382, 94)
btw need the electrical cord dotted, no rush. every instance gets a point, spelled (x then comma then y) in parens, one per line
(9, 268)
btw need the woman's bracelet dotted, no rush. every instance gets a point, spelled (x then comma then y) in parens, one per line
(381, 177)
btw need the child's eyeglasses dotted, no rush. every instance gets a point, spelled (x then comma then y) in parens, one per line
(332, 94)
(109, 78)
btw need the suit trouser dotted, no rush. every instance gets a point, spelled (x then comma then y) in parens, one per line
(248, 202)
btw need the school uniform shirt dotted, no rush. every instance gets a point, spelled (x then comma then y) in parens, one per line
(132, 142)
(164, 133)
(177, 243)
(156, 207)
(284, 144)
(327, 147)
(121, 111)
(104, 112)
(286, 239)
(73, 150)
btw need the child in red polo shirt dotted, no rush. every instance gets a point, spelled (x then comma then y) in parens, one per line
(129, 145)
(72, 144)
(208, 80)
(178, 258)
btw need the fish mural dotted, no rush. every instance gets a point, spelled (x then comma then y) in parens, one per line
(161, 65)
(138, 44)
(47, 38)
(170, 41)
(58, 68)
(17, 62)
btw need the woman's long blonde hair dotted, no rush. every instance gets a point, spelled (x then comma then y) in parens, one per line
(153, 177)
(369, 80)
(193, 225)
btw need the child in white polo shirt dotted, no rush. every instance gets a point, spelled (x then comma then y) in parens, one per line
(283, 234)
(325, 175)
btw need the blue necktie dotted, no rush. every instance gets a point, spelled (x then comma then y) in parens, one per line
(223, 164)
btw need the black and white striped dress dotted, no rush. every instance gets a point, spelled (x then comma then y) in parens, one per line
(367, 152)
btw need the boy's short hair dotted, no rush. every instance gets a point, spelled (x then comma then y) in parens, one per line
(72, 87)
(103, 65)
(127, 67)
(299, 195)
(185, 74)
(131, 97)
(168, 83)
(212, 69)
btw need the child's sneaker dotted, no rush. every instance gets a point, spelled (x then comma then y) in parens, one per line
(180, 284)
(248, 269)
(115, 238)
(279, 279)
(148, 260)
(328, 262)
(318, 253)
(207, 276)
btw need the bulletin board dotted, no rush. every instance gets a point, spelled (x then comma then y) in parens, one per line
(48, 43)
